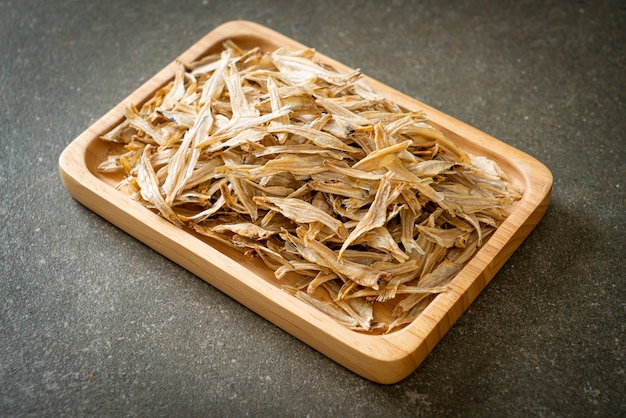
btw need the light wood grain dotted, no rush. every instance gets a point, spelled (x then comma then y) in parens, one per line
(381, 358)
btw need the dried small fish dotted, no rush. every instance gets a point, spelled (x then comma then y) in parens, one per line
(377, 212)
(317, 252)
(302, 212)
(357, 205)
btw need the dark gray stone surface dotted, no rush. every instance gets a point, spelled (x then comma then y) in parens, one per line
(92, 322)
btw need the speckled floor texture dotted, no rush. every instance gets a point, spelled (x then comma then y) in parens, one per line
(94, 323)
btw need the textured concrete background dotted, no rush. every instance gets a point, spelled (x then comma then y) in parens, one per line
(92, 322)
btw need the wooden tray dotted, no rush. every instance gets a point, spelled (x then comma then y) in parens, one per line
(381, 358)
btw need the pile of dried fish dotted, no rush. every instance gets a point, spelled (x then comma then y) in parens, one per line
(308, 169)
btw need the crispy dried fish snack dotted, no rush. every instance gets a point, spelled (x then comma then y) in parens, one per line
(290, 161)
